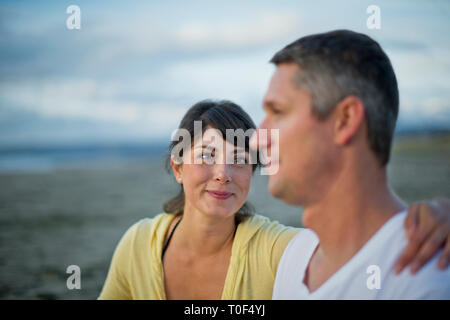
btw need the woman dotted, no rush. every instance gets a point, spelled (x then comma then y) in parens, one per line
(207, 244)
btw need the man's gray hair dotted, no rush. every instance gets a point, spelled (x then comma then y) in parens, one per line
(341, 63)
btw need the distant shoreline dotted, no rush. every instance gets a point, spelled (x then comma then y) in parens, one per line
(45, 158)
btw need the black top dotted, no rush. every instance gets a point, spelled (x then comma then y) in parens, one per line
(171, 234)
(168, 240)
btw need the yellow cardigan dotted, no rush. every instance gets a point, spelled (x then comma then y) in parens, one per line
(136, 270)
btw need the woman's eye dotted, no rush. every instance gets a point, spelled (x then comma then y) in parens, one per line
(207, 157)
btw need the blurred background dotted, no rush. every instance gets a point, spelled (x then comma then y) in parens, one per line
(86, 115)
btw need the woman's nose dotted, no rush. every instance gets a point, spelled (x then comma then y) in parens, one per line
(222, 173)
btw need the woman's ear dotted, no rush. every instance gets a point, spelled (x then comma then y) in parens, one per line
(177, 170)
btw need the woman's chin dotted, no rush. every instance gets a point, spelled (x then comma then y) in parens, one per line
(220, 212)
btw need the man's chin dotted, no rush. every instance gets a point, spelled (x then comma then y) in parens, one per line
(280, 190)
(275, 188)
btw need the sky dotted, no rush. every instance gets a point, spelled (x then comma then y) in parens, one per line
(135, 67)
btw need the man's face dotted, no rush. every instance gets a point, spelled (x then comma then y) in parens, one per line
(305, 143)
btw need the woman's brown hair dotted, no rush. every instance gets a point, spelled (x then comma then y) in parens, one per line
(220, 115)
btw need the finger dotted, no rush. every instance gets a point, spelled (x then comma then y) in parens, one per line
(415, 241)
(406, 257)
(444, 259)
(412, 218)
(429, 248)
(424, 221)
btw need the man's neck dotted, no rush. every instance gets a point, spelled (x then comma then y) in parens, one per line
(354, 208)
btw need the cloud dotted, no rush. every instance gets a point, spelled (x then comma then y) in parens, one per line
(261, 30)
(134, 69)
(437, 106)
(62, 106)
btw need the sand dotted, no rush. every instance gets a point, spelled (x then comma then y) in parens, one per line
(50, 220)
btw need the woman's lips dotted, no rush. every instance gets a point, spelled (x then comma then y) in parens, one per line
(221, 195)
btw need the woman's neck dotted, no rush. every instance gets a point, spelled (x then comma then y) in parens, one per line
(204, 235)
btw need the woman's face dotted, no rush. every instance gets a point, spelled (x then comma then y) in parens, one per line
(214, 184)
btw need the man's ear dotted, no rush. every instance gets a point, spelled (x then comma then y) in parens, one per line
(177, 170)
(349, 116)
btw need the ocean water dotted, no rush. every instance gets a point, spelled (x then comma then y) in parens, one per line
(47, 159)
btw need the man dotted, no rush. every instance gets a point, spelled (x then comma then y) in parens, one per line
(334, 98)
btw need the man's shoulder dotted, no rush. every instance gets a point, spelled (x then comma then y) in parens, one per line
(303, 239)
(292, 264)
(298, 251)
(428, 283)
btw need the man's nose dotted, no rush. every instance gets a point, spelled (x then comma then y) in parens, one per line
(260, 138)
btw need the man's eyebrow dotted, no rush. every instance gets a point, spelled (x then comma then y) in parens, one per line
(271, 105)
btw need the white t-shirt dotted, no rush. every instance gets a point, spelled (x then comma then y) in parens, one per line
(367, 275)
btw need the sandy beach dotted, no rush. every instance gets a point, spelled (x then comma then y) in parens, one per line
(52, 219)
